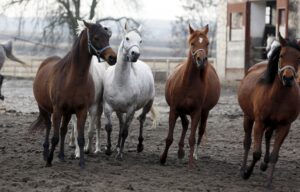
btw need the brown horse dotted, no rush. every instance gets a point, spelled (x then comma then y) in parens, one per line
(193, 89)
(64, 86)
(269, 96)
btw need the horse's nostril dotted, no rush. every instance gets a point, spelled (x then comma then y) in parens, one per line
(132, 53)
(112, 59)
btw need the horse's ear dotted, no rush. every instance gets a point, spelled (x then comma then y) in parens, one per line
(191, 29)
(140, 28)
(282, 41)
(206, 29)
(88, 25)
(126, 27)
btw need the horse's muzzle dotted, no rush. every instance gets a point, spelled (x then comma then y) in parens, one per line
(288, 81)
(201, 62)
(134, 56)
(112, 60)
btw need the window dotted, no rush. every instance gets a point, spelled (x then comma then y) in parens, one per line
(268, 19)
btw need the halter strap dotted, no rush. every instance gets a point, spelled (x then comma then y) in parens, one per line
(96, 52)
(194, 53)
(280, 69)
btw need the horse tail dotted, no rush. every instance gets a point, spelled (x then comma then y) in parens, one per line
(154, 115)
(40, 122)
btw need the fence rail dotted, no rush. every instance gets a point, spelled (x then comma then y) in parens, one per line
(161, 66)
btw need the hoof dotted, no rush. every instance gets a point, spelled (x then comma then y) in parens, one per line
(86, 151)
(108, 152)
(140, 148)
(245, 174)
(180, 154)
(263, 166)
(48, 164)
(81, 164)
(162, 160)
(61, 158)
(97, 152)
(119, 157)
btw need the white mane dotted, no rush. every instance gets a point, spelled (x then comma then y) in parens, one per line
(81, 26)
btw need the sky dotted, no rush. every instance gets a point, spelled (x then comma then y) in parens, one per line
(149, 9)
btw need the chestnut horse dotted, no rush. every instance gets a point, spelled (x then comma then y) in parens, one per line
(63, 87)
(269, 96)
(193, 89)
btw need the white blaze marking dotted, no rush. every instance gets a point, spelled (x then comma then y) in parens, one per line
(200, 39)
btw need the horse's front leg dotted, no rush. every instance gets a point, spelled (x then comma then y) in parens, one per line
(56, 120)
(63, 132)
(268, 136)
(124, 133)
(173, 115)
(281, 133)
(185, 125)
(195, 117)
(1, 82)
(258, 132)
(121, 124)
(108, 127)
(81, 118)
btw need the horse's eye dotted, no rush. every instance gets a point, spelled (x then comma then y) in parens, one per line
(96, 38)
(127, 39)
(105, 28)
(192, 44)
(141, 41)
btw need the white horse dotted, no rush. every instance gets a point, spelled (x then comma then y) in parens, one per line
(272, 43)
(6, 51)
(128, 87)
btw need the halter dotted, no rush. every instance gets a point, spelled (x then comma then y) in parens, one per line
(281, 69)
(198, 50)
(127, 50)
(96, 52)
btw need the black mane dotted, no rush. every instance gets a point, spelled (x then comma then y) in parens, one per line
(272, 68)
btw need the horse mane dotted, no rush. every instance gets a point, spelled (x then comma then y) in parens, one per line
(272, 67)
(74, 52)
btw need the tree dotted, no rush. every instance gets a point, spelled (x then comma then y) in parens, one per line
(54, 15)
(198, 13)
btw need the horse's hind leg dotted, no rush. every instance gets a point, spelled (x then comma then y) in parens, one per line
(98, 127)
(1, 82)
(142, 118)
(47, 121)
(91, 128)
(63, 131)
(259, 129)
(72, 136)
(173, 115)
(56, 120)
(268, 136)
(108, 127)
(185, 125)
(248, 125)
(281, 133)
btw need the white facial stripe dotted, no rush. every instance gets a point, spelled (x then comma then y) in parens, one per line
(200, 39)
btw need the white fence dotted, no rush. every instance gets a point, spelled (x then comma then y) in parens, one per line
(161, 66)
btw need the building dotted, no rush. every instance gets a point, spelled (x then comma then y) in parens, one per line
(243, 27)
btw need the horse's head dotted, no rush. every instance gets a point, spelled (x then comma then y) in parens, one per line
(289, 60)
(198, 42)
(131, 43)
(98, 42)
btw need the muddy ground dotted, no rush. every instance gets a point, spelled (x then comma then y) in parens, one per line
(22, 167)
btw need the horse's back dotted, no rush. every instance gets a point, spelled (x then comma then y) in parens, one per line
(41, 83)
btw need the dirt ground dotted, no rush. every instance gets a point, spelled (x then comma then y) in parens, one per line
(22, 167)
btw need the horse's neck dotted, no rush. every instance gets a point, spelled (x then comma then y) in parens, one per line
(80, 60)
(123, 67)
(191, 71)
